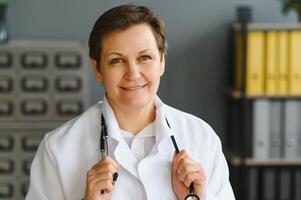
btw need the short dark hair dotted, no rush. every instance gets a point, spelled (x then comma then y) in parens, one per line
(121, 18)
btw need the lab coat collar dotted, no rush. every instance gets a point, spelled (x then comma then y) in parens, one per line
(161, 128)
(117, 145)
(111, 122)
(120, 149)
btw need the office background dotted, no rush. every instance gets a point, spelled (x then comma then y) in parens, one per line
(198, 57)
(198, 66)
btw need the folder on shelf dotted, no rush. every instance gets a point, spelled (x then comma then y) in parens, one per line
(238, 61)
(282, 54)
(295, 63)
(269, 183)
(291, 124)
(261, 129)
(276, 125)
(252, 177)
(255, 63)
(299, 132)
(298, 184)
(271, 75)
(285, 184)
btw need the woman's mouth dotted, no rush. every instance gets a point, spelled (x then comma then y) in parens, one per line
(134, 87)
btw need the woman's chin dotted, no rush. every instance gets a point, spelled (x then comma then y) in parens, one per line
(137, 102)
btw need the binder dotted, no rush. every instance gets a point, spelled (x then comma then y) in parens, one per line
(292, 120)
(252, 176)
(282, 54)
(298, 184)
(238, 61)
(275, 128)
(295, 63)
(286, 184)
(269, 183)
(255, 63)
(299, 131)
(261, 129)
(271, 75)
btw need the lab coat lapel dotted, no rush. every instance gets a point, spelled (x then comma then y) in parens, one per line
(158, 163)
(163, 132)
(118, 148)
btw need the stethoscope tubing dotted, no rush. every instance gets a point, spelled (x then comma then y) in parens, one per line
(191, 193)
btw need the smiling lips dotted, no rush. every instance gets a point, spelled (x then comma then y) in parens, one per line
(134, 88)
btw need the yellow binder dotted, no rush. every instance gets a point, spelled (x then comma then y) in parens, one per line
(283, 37)
(255, 63)
(238, 61)
(295, 63)
(271, 75)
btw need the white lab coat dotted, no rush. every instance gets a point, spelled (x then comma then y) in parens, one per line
(66, 154)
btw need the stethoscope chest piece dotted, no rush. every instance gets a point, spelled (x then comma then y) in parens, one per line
(192, 196)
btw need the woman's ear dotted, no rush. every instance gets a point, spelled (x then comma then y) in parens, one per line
(162, 65)
(96, 70)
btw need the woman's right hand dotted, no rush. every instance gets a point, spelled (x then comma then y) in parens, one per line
(100, 178)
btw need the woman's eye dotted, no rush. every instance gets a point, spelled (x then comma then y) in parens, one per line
(145, 58)
(116, 60)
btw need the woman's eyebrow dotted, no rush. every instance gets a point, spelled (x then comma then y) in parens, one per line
(114, 53)
(143, 51)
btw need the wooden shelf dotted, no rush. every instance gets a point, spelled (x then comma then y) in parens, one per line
(239, 95)
(269, 26)
(236, 160)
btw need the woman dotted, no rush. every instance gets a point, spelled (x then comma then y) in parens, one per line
(127, 51)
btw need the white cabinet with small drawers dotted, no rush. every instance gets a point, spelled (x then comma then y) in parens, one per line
(42, 85)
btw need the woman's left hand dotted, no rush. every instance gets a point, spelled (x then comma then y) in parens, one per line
(184, 172)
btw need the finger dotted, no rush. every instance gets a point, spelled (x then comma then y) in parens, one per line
(105, 167)
(104, 185)
(187, 166)
(178, 157)
(99, 187)
(194, 177)
(107, 160)
(103, 176)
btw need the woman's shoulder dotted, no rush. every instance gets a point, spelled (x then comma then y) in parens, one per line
(183, 121)
(76, 129)
(185, 117)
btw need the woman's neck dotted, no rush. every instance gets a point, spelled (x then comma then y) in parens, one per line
(134, 120)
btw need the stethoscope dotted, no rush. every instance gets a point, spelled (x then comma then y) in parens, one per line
(104, 152)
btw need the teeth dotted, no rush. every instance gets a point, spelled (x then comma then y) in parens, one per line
(133, 88)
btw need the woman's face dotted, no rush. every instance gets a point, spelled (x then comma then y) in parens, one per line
(131, 67)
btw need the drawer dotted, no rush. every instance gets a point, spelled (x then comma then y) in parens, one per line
(30, 143)
(6, 60)
(27, 163)
(33, 83)
(34, 107)
(24, 188)
(67, 60)
(6, 108)
(6, 166)
(6, 143)
(69, 107)
(6, 84)
(6, 190)
(34, 60)
(68, 83)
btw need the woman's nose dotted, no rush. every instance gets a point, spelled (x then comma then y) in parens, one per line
(133, 71)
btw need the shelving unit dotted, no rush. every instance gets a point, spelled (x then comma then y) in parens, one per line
(254, 177)
(247, 174)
